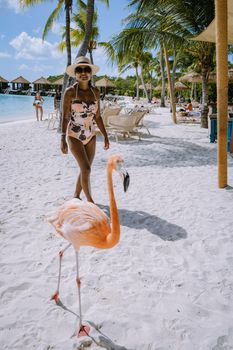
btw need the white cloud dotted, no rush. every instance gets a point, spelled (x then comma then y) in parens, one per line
(4, 55)
(12, 4)
(36, 30)
(57, 28)
(32, 48)
(35, 68)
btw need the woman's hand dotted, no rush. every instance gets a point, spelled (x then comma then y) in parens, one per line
(64, 146)
(106, 143)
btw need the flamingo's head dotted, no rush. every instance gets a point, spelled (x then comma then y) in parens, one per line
(116, 162)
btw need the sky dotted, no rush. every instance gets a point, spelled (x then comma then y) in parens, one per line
(22, 51)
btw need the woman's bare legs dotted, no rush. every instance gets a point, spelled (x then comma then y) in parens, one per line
(84, 154)
(41, 113)
(37, 115)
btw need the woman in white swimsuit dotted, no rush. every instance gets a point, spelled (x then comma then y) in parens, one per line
(81, 112)
(38, 101)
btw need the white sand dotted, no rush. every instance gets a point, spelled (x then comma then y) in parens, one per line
(168, 284)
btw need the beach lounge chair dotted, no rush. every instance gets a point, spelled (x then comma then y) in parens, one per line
(109, 112)
(126, 124)
(54, 117)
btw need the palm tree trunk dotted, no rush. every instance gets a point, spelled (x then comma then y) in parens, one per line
(144, 86)
(68, 5)
(191, 93)
(162, 71)
(92, 62)
(174, 70)
(171, 90)
(88, 28)
(204, 109)
(91, 56)
(137, 82)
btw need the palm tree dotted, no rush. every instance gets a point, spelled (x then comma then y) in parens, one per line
(179, 20)
(124, 62)
(78, 32)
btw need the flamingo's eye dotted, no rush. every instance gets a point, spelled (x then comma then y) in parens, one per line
(119, 164)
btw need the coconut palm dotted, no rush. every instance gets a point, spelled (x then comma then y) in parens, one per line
(180, 20)
(123, 61)
(77, 32)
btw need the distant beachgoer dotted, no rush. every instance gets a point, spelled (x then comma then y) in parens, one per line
(189, 106)
(38, 101)
(81, 111)
(154, 100)
(57, 100)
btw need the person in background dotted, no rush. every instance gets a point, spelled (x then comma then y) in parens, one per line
(38, 101)
(189, 106)
(81, 112)
(57, 100)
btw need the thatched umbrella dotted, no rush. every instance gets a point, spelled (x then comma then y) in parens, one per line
(191, 77)
(41, 83)
(181, 86)
(148, 86)
(20, 82)
(105, 83)
(58, 81)
(3, 83)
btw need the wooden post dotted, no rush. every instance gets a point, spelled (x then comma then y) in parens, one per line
(222, 87)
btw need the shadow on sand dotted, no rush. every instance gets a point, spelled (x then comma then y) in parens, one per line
(141, 220)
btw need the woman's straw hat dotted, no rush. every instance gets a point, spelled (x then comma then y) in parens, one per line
(81, 61)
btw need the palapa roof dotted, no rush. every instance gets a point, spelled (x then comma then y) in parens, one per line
(2, 80)
(42, 81)
(59, 81)
(180, 86)
(20, 80)
(148, 86)
(105, 82)
(191, 77)
(209, 34)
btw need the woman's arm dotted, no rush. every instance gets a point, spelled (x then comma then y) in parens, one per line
(100, 124)
(65, 119)
(66, 110)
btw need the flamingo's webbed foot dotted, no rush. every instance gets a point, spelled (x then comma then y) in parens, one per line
(55, 297)
(83, 331)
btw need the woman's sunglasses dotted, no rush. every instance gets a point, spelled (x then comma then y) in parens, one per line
(80, 70)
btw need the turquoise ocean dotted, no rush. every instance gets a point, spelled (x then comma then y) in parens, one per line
(17, 107)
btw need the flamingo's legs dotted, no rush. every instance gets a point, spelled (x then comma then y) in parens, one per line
(82, 330)
(55, 296)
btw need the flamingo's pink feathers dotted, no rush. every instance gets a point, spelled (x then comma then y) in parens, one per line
(82, 224)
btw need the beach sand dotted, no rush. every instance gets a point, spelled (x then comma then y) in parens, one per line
(168, 284)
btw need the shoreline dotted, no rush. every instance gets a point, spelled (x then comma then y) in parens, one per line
(17, 121)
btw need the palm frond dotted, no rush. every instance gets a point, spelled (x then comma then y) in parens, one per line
(54, 15)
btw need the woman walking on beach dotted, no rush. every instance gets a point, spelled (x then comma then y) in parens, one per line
(81, 111)
(38, 101)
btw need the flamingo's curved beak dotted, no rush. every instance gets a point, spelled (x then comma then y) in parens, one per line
(124, 175)
(126, 179)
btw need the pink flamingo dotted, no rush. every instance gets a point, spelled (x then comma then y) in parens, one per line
(85, 224)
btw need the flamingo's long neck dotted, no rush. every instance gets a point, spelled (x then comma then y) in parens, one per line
(114, 236)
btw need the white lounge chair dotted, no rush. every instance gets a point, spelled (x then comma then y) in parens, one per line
(109, 112)
(126, 124)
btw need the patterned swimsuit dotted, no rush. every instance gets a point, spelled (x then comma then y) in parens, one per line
(82, 122)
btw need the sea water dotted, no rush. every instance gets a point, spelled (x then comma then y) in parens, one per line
(18, 107)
